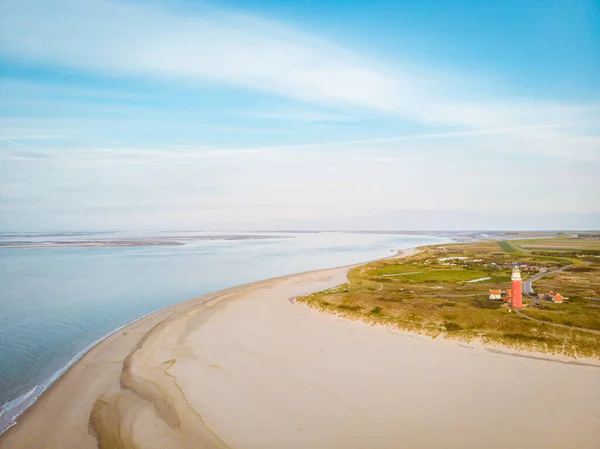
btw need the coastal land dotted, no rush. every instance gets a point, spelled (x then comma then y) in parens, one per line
(87, 244)
(444, 291)
(252, 367)
(178, 240)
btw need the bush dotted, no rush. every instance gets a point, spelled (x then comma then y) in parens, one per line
(523, 337)
(447, 304)
(452, 327)
(346, 307)
(377, 310)
(579, 269)
(488, 304)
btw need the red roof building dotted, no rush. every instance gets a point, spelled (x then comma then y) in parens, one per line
(495, 294)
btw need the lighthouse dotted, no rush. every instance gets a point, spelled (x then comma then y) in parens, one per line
(515, 289)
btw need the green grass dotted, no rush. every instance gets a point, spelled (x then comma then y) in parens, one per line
(498, 279)
(510, 247)
(396, 269)
(447, 275)
(562, 244)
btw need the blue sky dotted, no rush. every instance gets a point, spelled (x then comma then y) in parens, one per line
(299, 114)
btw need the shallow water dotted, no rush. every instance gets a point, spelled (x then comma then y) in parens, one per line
(57, 302)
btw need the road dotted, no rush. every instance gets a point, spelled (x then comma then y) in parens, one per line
(528, 289)
(527, 285)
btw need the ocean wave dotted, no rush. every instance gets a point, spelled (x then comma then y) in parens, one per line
(14, 408)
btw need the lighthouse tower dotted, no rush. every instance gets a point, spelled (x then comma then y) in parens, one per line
(515, 289)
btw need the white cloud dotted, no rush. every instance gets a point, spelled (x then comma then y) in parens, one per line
(307, 115)
(311, 183)
(213, 45)
(471, 157)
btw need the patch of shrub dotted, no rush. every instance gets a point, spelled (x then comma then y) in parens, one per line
(487, 303)
(390, 299)
(579, 269)
(523, 337)
(347, 307)
(377, 310)
(447, 304)
(452, 326)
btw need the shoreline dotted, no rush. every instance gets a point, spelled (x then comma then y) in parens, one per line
(123, 384)
(176, 241)
(15, 437)
(87, 244)
(44, 387)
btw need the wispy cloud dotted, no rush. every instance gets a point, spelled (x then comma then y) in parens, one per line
(295, 184)
(451, 146)
(132, 39)
(306, 115)
(549, 140)
(444, 135)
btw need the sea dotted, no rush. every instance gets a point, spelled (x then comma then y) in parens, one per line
(57, 302)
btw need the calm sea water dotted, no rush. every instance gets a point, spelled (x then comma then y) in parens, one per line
(57, 302)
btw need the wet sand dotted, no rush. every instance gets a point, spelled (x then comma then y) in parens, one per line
(250, 368)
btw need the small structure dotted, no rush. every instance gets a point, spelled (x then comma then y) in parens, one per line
(507, 296)
(495, 294)
(552, 296)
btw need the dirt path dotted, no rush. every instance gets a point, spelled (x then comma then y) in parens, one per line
(556, 324)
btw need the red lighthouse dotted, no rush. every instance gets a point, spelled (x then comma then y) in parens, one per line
(516, 301)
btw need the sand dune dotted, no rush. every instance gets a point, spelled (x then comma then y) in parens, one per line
(249, 368)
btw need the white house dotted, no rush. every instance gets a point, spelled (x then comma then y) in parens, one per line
(495, 294)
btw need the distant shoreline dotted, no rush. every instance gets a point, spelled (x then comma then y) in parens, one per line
(180, 241)
(86, 244)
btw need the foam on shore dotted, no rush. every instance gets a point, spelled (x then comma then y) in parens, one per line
(14, 408)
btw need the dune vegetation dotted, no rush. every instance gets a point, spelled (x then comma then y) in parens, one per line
(444, 291)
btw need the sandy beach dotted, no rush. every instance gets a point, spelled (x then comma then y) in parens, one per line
(250, 368)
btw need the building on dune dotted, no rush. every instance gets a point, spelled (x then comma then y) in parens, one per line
(552, 296)
(495, 294)
(512, 297)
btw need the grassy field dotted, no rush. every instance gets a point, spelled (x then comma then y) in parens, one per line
(561, 244)
(430, 293)
(510, 247)
(578, 284)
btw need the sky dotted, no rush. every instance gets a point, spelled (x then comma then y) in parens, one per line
(263, 115)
